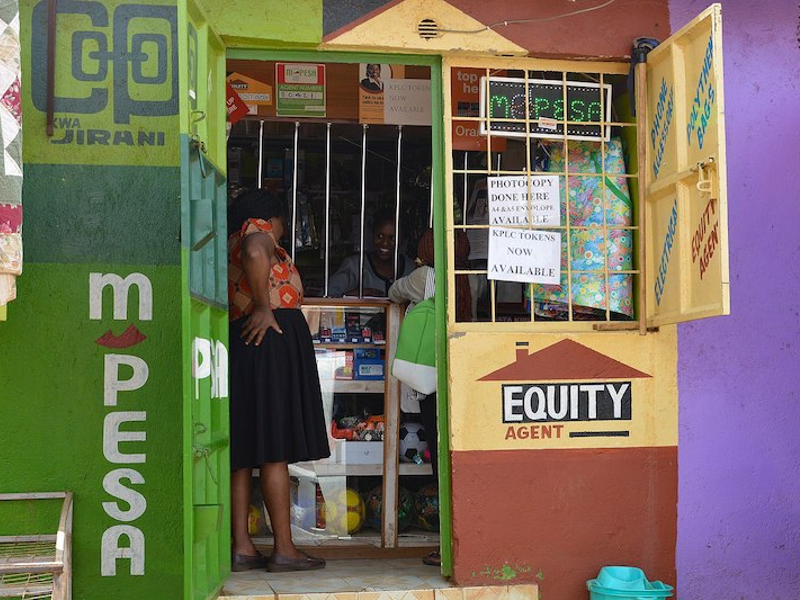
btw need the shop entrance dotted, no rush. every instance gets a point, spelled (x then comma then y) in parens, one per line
(352, 149)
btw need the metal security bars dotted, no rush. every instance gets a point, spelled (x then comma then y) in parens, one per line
(533, 123)
(312, 157)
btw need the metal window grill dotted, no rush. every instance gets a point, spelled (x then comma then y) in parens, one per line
(344, 132)
(600, 257)
(38, 567)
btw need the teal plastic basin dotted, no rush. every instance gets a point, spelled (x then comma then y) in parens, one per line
(621, 578)
(613, 583)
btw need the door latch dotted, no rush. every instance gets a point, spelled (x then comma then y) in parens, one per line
(704, 183)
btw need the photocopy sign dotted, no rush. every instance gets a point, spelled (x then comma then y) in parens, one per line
(523, 200)
(524, 255)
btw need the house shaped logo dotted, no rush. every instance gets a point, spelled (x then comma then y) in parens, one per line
(567, 384)
(563, 361)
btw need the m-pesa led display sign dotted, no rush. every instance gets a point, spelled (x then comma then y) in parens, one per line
(546, 110)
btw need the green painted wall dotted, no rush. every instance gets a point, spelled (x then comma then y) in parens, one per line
(267, 22)
(103, 196)
(52, 429)
(113, 214)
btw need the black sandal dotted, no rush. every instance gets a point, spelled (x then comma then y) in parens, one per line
(285, 564)
(434, 559)
(246, 562)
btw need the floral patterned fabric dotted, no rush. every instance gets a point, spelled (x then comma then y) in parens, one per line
(285, 285)
(10, 152)
(592, 204)
(10, 239)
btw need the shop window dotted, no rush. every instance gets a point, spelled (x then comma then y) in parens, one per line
(339, 177)
(556, 160)
(581, 216)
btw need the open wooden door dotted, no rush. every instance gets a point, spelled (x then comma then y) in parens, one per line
(686, 213)
(205, 317)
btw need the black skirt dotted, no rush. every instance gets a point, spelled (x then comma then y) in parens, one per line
(275, 401)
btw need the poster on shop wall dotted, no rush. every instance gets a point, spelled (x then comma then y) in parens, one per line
(386, 97)
(465, 91)
(234, 105)
(300, 90)
(524, 255)
(252, 92)
(524, 200)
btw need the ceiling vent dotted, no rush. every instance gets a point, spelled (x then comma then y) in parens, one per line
(428, 29)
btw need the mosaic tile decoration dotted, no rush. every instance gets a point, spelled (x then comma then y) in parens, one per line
(11, 155)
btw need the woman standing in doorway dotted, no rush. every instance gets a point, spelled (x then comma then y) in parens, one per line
(276, 409)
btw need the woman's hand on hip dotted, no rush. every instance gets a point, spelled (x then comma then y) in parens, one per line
(257, 325)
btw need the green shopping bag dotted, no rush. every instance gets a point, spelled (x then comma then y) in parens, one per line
(415, 360)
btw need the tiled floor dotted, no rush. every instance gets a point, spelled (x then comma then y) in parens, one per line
(365, 579)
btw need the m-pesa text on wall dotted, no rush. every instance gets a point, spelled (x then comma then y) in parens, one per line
(124, 430)
(113, 435)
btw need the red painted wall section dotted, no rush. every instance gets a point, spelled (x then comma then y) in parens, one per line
(555, 517)
(606, 32)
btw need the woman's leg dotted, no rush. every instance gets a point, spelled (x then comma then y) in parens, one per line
(427, 407)
(428, 413)
(240, 509)
(275, 489)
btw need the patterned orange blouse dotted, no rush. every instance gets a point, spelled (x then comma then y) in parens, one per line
(285, 285)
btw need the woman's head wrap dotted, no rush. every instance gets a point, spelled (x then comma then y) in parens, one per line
(425, 249)
(253, 204)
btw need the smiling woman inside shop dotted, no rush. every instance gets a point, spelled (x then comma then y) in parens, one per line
(379, 273)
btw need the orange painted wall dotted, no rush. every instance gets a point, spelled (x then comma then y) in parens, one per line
(555, 517)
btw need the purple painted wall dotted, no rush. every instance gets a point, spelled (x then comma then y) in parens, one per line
(739, 457)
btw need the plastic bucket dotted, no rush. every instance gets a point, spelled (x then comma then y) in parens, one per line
(613, 583)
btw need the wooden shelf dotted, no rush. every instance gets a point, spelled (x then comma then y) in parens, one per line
(321, 537)
(347, 345)
(413, 538)
(352, 386)
(313, 471)
(415, 469)
(418, 538)
(347, 302)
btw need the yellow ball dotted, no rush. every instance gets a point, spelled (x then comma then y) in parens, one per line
(255, 521)
(356, 511)
(346, 512)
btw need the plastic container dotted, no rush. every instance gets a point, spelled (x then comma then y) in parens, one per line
(613, 583)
